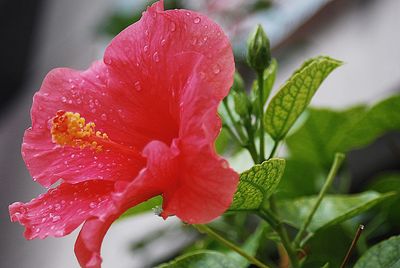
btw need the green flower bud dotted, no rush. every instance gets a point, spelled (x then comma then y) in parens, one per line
(259, 53)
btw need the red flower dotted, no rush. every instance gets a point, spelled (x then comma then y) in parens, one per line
(140, 123)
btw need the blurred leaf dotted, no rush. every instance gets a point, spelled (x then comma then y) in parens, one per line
(120, 20)
(201, 259)
(299, 179)
(381, 118)
(332, 210)
(328, 245)
(295, 95)
(257, 184)
(326, 131)
(386, 254)
(250, 247)
(143, 207)
(318, 139)
(386, 183)
(240, 100)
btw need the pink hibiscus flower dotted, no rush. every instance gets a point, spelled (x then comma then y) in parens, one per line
(140, 123)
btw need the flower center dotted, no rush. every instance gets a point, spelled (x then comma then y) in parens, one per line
(70, 129)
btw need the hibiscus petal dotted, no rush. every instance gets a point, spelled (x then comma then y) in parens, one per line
(86, 93)
(156, 56)
(202, 186)
(62, 209)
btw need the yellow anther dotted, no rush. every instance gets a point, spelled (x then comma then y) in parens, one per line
(70, 129)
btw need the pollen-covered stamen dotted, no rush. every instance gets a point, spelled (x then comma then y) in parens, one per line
(70, 129)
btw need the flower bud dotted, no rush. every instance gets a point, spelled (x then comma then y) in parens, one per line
(259, 53)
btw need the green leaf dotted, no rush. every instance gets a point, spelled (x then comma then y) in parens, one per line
(241, 103)
(386, 254)
(257, 184)
(299, 179)
(327, 131)
(143, 207)
(320, 136)
(381, 118)
(295, 95)
(201, 259)
(332, 210)
(250, 247)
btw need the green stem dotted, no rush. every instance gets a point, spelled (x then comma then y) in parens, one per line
(261, 115)
(205, 229)
(339, 157)
(234, 123)
(276, 144)
(233, 135)
(251, 147)
(280, 229)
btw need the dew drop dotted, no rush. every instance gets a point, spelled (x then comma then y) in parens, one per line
(163, 42)
(107, 61)
(173, 26)
(100, 165)
(145, 48)
(57, 206)
(225, 164)
(197, 20)
(146, 32)
(103, 117)
(92, 205)
(63, 99)
(156, 57)
(137, 85)
(56, 218)
(216, 69)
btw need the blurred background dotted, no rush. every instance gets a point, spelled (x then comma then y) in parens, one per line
(37, 36)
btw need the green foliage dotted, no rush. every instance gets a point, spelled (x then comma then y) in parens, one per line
(241, 103)
(381, 118)
(201, 259)
(250, 247)
(295, 95)
(386, 254)
(321, 135)
(257, 184)
(333, 209)
(326, 131)
(143, 207)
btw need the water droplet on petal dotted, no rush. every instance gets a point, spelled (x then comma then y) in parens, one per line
(57, 206)
(137, 85)
(216, 69)
(197, 20)
(163, 42)
(56, 218)
(107, 61)
(145, 48)
(156, 57)
(103, 117)
(173, 26)
(63, 99)
(100, 165)
(92, 205)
